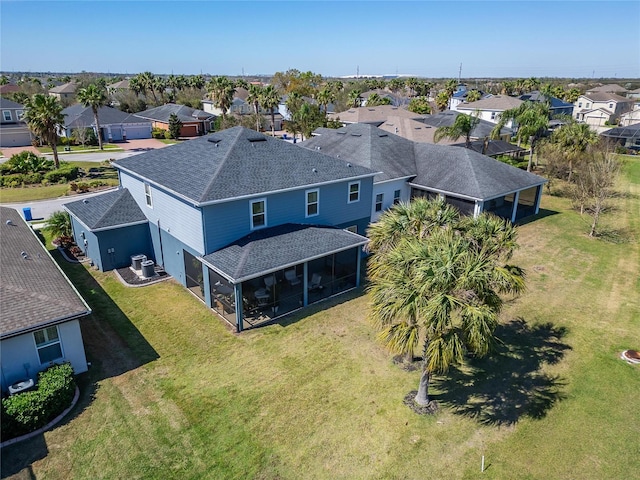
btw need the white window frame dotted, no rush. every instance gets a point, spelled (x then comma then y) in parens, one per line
(493, 115)
(19, 114)
(396, 196)
(611, 105)
(379, 202)
(356, 192)
(4, 115)
(579, 104)
(308, 203)
(252, 215)
(48, 343)
(147, 194)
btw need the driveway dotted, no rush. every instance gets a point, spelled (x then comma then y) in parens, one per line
(42, 209)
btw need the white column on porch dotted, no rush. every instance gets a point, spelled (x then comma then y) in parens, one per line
(239, 312)
(538, 198)
(516, 197)
(305, 283)
(477, 209)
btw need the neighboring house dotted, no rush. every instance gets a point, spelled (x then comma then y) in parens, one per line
(598, 108)
(122, 85)
(252, 225)
(194, 122)
(609, 88)
(115, 125)
(460, 96)
(556, 106)
(481, 131)
(239, 106)
(13, 130)
(375, 116)
(414, 130)
(39, 325)
(490, 108)
(469, 180)
(9, 88)
(634, 94)
(630, 118)
(65, 92)
(628, 136)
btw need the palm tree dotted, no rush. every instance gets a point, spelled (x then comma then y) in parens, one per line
(436, 279)
(442, 100)
(43, 114)
(355, 100)
(269, 100)
(222, 91)
(324, 97)
(96, 98)
(147, 81)
(473, 96)
(462, 126)
(532, 120)
(255, 91)
(59, 224)
(573, 140)
(294, 103)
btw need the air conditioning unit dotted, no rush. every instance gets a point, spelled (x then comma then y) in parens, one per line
(147, 269)
(136, 261)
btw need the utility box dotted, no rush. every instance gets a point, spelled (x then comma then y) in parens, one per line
(136, 261)
(147, 269)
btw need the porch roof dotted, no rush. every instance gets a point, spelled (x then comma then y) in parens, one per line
(271, 249)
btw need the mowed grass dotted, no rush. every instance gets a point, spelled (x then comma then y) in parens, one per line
(173, 393)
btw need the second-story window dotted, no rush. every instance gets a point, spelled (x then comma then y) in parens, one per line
(147, 194)
(611, 105)
(6, 114)
(258, 213)
(354, 192)
(396, 197)
(313, 202)
(379, 199)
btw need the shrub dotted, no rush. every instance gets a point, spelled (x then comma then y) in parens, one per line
(73, 186)
(59, 224)
(83, 187)
(158, 133)
(64, 174)
(97, 183)
(28, 411)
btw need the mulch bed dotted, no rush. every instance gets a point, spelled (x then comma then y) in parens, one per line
(131, 278)
(429, 409)
(406, 365)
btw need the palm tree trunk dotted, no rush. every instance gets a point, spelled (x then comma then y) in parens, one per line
(95, 117)
(54, 149)
(422, 397)
(530, 158)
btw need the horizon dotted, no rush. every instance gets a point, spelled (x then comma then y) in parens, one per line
(430, 39)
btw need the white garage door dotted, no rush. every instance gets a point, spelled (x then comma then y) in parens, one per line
(136, 132)
(14, 138)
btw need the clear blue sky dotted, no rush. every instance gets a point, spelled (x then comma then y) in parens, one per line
(333, 38)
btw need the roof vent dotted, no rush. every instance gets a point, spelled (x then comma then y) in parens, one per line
(24, 255)
(348, 164)
(257, 139)
(314, 170)
(85, 201)
(214, 140)
(356, 134)
(384, 134)
(341, 133)
(318, 147)
(9, 222)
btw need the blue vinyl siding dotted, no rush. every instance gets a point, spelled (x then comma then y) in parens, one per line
(171, 255)
(92, 247)
(176, 216)
(226, 222)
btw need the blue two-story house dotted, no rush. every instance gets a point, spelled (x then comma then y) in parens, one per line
(253, 226)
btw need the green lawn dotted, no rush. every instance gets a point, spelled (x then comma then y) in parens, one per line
(40, 192)
(173, 393)
(82, 149)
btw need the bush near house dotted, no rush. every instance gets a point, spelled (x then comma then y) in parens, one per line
(28, 411)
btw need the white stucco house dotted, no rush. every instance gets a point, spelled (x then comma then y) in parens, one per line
(40, 308)
(490, 108)
(598, 108)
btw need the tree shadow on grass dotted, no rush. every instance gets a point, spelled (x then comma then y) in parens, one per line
(113, 346)
(509, 384)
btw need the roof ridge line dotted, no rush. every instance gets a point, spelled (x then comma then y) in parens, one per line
(223, 160)
(120, 190)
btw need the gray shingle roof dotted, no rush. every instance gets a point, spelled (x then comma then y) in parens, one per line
(272, 249)
(79, 116)
(185, 114)
(446, 119)
(373, 115)
(108, 210)
(370, 147)
(495, 102)
(606, 96)
(446, 168)
(6, 103)
(33, 292)
(461, 171)
(494, 147)
(632, 132)
(237, 162)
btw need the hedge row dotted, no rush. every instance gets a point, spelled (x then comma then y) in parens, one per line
(28, 411)
(63, 174)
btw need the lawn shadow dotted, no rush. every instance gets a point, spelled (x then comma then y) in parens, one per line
(509, 384)
(113, 346)
(542, 213)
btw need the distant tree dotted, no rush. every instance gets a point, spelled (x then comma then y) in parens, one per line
(94, 97)
(396, 85)
(269, 100)
(324, 97)
(43, 115)
(442, 100)
(412, 83)
(462, 126)
(573, 139)
(80, 135)
(473, 95)
(255, 91)
(308, 118)
(4, 80)
(572, 95)
(375, 100)
(221, 91)
(355, 100)
(175, 125)
(532, 120)
(293, 103)
(419, 105)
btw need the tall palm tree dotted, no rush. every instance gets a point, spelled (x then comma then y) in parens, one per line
(355, 100)
(255, 91)
(269, 100)
(436, 280)
(462, 126)
(531, 119)
(324, 97)
(96, 98)
(473, 95)
(147, 82)
(294, 103)
(43, 114)
(442, 100)
(222, 90)
(573, 139)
